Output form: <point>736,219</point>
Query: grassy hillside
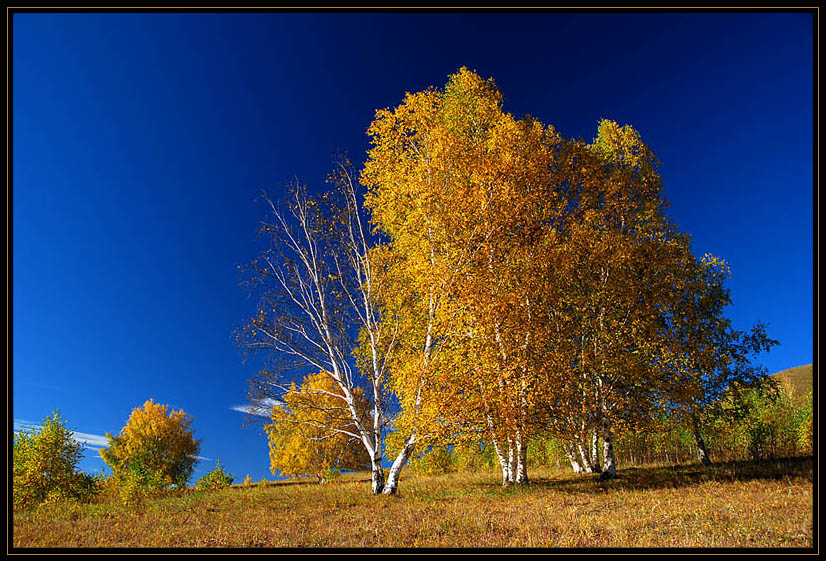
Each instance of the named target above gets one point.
<point>746,504</point>
<point>798,378</point>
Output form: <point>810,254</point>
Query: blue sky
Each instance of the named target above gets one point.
<point>140,142</point>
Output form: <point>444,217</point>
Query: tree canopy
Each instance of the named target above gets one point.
<point>523,284</point>
<point>156,440</point>
<point>45,464</point>
<point>312,434</point>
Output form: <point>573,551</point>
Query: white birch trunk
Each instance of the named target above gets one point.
<point>503,462</point>
<point>574,464</point>
<point>585,457</point>
<point>395,470</point>
<point>595,452</point>
<point>378,475</point>
<point>511,461</point>
<point>572,457</point>
<point>521,461</point>
<point>610,469</point>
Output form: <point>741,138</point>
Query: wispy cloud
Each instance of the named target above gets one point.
<point>93,441</point>
<point>258,407</point>
<point>20,425</point>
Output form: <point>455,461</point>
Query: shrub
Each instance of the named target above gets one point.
<point>436,459</point>
<point>471,456</point>
<point>44,466</point>
<point>804,429</point>
<point>218,478</point>
<point>137,483</point>
<point>330,473</point>
<point>546,451</point>
<point>304,435</point>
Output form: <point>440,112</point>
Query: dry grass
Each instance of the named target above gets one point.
<point>755,504</point>
<point>799,379</point>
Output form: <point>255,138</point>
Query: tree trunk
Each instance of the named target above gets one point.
<point>521,461</point>
<point>610,469</point>
<point>575,464</point>
<point>702,452</point>
<point>595,452</point>
<point>511,461</point>
<point>572,457</point>
<point>395,470</point>
<point>503,462</point>
<point>586,460</point>
<point>378,475</point>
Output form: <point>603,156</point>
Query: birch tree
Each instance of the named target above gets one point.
<point>318,297</point>
<point>460,188</point>
<point>618,260</point>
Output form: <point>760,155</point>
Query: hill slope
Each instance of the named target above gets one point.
<point>799,377</point>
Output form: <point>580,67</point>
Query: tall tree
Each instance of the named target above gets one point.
<point>319,301</point>
<point>461,188</point>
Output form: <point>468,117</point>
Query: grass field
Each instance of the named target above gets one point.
<point>746,504</point>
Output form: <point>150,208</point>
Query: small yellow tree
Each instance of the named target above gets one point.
<point>312,433</point>
<point>156,446</point>
<point>45,465</point>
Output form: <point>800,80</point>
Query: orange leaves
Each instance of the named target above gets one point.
<point>531,275</point>
<point>459,185</point>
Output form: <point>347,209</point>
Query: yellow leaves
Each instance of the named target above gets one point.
<point>554,254</point>
<point>156,438</point>
<point>304,435</point>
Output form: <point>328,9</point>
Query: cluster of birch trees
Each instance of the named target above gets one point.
<point>496,282</point>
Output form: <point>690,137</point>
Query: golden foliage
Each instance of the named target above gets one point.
<point>313,432</point>
<point>156,442</point>
<point>530,273</point>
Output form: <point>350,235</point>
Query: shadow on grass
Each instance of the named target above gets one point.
<point>304,481</point>
<point>677,476</point>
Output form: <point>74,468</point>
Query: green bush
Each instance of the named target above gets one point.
<point>136,483</point>
<point>218,478</point>
<point>44,466</point>
<point>768,428</point>
<point>436,459</point>
<point>804,429</point>
<point>545,451</point>
<point>764,425</point>
<point>472,456</point>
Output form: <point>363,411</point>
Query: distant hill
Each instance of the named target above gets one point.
<point>799,377</point>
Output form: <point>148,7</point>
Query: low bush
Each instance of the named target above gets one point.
<point>217,478</point>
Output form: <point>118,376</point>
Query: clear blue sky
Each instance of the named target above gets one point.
<point>142,140</point>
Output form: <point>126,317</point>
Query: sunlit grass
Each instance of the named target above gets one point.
<point>747,504</point>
